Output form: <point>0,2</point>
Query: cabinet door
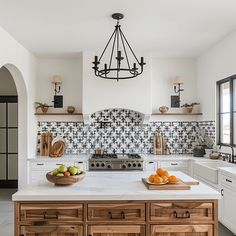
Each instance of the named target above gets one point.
<point>229,208</point>
<point>116,230</point>
<point>58,230</point>
<point>181,230</point>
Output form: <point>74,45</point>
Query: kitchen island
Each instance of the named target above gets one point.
<point>115,204</point>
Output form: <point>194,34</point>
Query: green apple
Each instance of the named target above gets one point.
<point>73,170</point>
<point>55,172</point>
<point>79,169</point>
<point>62,169</point>
<point>60,174</point>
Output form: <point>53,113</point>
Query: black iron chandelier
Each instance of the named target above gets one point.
<point>119,66</point>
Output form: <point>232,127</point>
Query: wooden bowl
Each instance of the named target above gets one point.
<point>65,180</point>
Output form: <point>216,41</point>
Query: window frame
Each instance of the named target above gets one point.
<point>231,112</point>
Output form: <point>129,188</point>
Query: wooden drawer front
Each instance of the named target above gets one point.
<point>171,212</point>
<point>116,230</point>
<point>181,230</point>
<point>60,230</point>
<point>58,212</point>
<point>116,212</point>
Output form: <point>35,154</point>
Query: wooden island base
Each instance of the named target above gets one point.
<point>117,218</point>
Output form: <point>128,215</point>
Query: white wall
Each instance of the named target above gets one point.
<point>99,94</point>
<point>7,84</point>
<point>70,69</point>
<point>164,70</point>
<point>215,64</point>
<point>22,65</point>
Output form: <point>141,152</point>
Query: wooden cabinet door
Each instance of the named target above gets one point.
<point>181,230</point>
<point>116,230</point>
<point>58,230</point>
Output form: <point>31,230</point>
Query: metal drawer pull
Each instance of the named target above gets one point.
<point>80,162</point>
<point>174,164</point>
<point>186,216</point>
<point>40,164</point>
<point>228,180</point>
<point>222,192</point>
<point>59,164</point>
<point>122,216</point>
<point>150,162</point>
<point>52,217</point>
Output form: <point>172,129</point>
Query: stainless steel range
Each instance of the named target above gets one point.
<point>116,162</point>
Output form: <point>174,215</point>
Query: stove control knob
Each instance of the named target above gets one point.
<point>129,164</point>
<point>134,165</point>
<point>92,165</point>
<point>97,164</point>
<point>109,166</point>
<point>124,166</point>
<point>103,165</point>
<point>139,165</point>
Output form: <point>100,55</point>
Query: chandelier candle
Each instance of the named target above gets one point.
<point>120,49</point>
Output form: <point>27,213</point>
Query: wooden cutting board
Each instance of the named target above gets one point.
<point>179,186</point>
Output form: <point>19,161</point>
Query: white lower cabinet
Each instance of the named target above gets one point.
<point>227,203</point>
<point>39,169</point>
<point>182,165</point>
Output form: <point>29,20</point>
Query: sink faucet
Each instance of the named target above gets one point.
<point>232,152</point>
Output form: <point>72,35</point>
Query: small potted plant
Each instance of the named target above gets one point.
<point>189,106</point>
<point>43,106</point>
<point>202,142</point>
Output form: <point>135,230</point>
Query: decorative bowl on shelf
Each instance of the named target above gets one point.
<point>163,109</point>
<point>65,180</point>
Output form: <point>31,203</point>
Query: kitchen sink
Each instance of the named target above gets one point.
<point>208,170</point>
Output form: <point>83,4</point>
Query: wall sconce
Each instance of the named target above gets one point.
<point>58,99</point>
<point>175,100</point>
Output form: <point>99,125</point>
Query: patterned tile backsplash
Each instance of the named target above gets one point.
<point>122,131</point>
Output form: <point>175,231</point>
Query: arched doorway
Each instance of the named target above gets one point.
<point>8,130</point>
<point>22,122</point>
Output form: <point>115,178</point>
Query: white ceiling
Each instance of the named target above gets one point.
<point>179,28</point>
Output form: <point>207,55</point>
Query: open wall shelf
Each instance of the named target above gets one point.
<point>175,114</point>
<point>58,114</point>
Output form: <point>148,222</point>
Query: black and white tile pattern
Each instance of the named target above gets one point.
<point>122,132</point>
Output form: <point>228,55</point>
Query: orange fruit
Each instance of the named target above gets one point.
<point>160,171</point>
<point>165,173</point>
<point>164,178</point>
<point>151,178</point>
<point>158,180</point>
<point>173,179</point>
<point>67,173</point>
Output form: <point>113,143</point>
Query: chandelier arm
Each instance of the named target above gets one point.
<point>129,47</point>
<point>127,59</point>
<point>113,46</point>
<point>107,45</point>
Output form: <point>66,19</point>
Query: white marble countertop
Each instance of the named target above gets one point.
<point>69,157</point>
<point>112,186</point>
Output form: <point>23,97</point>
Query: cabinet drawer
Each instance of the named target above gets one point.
<point>173,164</point>
<point>63,230</point>
<point>53,212</point>
<point>228,181</point>
<point>43,165</point>
<point>180,212</point>
<point>116,212</point>
<point>181,230</point>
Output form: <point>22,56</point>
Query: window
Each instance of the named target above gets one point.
<point>227,110</point>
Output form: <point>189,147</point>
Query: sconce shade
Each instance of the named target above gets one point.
<point>56,79</point>
<point>178,80</point>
